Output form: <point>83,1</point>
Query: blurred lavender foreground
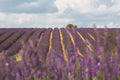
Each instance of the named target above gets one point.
<point>60,54</point>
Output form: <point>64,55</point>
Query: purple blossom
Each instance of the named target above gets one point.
<point>69,68</point>
<point>41,61</point>
<point>98,51</point>
<point>37,73</point>
<point>72,59</point>
<point>72,79</point>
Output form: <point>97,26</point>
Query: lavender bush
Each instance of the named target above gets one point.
<point>100,61</point>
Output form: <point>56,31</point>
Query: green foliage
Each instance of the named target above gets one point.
<point>119,77</point>
<point>95,78</point>
<point>87,78</point>
<point>71,26</point>
<point>101,77</point>
<point>48,77</point>
<point>36,78</point>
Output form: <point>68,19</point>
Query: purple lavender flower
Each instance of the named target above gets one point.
<point>98,50</point>
<point>72,79</point>
<point>72,59</point>
<point>69,68</point>
<point>13,74</point>
<point>37,73</point>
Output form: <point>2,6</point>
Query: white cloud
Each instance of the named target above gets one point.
<point>82,6</point>
<point>2,16</point>
<point>108,25</point>
<point>102,8</point>
<point>32,20</point>
<point>88,6</point>
<point>113,25</point>
<point>79,12</point>
<point>15,18</point>
<point>52,20</point>
<point>22,18</point>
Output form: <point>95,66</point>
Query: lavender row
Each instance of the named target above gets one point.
<point>43,44</point>
<point>79,42</point>
<point>36,36</point>
<point>56,45</point>
<point>30,64</point>
<point>6,44</point>
<point>5,36</point>
<point>15,48</point>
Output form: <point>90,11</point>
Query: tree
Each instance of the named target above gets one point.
<point>71,26</point>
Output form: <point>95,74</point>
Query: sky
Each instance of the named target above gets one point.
<point>59,13</point>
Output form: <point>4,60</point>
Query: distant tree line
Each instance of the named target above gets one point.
<point>71,26</point>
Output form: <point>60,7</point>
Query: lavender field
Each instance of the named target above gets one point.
<point>60,54</point>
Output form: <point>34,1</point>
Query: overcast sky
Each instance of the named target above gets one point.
<point>58,13</point>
